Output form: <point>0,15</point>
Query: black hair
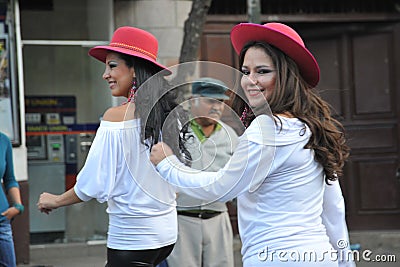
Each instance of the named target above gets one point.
<point>155,103</point>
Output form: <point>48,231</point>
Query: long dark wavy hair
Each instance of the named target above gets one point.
<point>157,107</point>
<point>294,96</point>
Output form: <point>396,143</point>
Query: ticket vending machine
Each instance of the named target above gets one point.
<point>88,220</point>
<point>46,170</point>
<point>48,120</point>
<point>57,150</point>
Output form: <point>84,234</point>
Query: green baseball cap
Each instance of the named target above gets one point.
<point>210,87</point>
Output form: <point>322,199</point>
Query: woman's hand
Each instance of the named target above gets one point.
<point>47,202</point>
<point>159,152</point>
<point>10,213</point>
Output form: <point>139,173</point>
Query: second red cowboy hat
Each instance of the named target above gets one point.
<point>131,41</point>
<point>282,37</point>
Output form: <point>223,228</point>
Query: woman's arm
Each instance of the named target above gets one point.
<point>9,181</point>
<point>15,198</point>
<point>333,217</point>
<point>246,170</point>
<point>48,202</point>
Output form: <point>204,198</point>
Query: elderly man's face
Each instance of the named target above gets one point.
<point>206,110</point>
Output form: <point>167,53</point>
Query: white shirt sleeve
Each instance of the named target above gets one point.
<point>238,175</point>
<point>97,177</point>
<point>333,217</point>
<point>245,171</point>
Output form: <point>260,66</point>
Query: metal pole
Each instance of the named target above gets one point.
<point>254,11</point>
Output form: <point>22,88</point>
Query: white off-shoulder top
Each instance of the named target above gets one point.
<point>141,205</point>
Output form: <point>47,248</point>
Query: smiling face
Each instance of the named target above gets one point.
<point>118,75</point>
<point>259,76</point>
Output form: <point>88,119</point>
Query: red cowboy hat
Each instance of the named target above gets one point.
<point>284,38</point>
<point>131,41</point>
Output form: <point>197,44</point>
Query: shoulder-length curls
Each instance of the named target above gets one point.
<point>292,95</point>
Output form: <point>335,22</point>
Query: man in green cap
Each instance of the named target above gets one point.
<point>204,229</point>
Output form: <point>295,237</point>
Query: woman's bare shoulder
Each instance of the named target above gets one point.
<point>119,113</point>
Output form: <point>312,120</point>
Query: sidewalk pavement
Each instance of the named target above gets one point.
<point>89,254</point>
<point>375,245</point>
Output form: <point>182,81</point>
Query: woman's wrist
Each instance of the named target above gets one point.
<point>166,160</point>
<point>61,200</point>
<point>19,207</point>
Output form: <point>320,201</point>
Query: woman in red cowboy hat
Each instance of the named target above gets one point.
<point>141,206</point>
<point>285,169</point>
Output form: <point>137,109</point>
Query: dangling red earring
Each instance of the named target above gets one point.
<point>243,118</point>
<point>132,92</point>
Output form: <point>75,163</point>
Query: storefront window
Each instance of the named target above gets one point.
<point>65,97</point>
<point>9,111</point>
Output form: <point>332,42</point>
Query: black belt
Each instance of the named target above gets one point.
<point>202,214</point>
